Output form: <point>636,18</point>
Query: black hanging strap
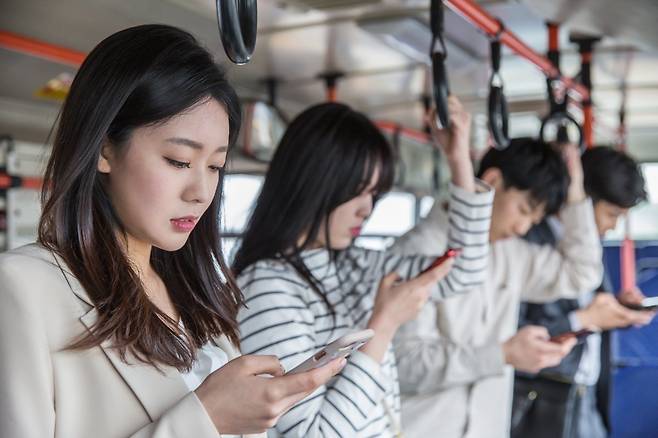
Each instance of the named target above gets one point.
<point>438,55</point>
<point>497,104</point>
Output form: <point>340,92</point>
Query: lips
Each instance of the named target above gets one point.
<point>356,231</point>
<point>184,224</point>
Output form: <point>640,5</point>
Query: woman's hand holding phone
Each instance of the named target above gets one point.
<point>239,400</point>
<point>398,302</point>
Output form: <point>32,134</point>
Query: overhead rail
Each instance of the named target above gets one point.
<point>14,182</point>
<point>484,21</point>
<point>40,49</point>
<point>393,128</point>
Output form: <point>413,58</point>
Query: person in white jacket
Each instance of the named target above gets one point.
<point>456,358</point>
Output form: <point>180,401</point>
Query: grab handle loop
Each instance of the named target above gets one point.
<point>559,115</point>
<point>497,104</point>
<point>438,55</point>
<point>237,20</point>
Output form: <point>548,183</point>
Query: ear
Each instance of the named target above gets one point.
<point>494,178</point>
<point>104,158</point>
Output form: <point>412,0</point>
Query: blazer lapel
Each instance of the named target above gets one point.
<point>155,389</point>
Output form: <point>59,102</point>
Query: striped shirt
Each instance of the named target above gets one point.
<point>285,317</point>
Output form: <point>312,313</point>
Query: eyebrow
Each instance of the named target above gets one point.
<point>193,144</point>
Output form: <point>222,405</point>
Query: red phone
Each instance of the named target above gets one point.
<point>450,253</point>
<point>579,335</point>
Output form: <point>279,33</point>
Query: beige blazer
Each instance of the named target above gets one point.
<point>46,391</point>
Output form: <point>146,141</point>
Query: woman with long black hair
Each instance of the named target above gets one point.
<point>120,321</point>
<point>306,284</point>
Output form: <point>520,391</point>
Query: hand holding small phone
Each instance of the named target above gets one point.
<point>606,312</point>
<point>578,335</point>
<point>250,393</point>
<point>339,348</point>
<point>398,302</point>
<point>450,253</point>
<point>530,349</point>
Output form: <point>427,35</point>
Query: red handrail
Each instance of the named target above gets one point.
<point>392,127</point>
<point>481,19</point>
<point>12,181</point>
<point>30,46</point>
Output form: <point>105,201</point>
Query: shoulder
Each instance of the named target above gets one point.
<point>27,260</point>
<point>31,274</point>
<point>356,257</point>
<point>268,276</point>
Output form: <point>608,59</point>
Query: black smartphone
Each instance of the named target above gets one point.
<point>580,335</point>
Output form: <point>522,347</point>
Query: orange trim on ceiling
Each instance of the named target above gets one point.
<point>40,49</point>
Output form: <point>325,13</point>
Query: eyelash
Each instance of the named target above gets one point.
<point>183,165</point>
<point>178,164</point>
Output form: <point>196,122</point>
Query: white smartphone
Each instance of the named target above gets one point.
<point>341,347</point>
<point>650,303</point>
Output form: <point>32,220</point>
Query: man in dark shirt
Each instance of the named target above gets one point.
<point>562,401</point>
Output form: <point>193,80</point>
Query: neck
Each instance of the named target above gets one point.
<point>139,255</point>
<point>311,245</point>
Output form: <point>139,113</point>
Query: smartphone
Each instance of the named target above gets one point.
<point>650,303</point>
<point>450,253</point>
<point>580,335</point>
<point>341,347</point>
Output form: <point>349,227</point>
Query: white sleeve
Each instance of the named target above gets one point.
<point>467,228</point>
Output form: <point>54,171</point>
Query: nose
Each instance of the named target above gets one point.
<point>198,188</point>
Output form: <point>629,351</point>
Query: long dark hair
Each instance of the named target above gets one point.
<point>326,157</point>
<point>138,77</point>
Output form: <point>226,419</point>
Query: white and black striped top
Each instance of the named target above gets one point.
<point>286,318</point>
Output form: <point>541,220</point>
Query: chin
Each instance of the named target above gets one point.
<point>341,244</point>
<point>171,244</point>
